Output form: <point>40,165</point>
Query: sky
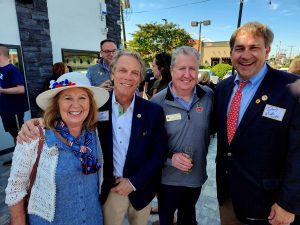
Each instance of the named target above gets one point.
<point>282,16</point>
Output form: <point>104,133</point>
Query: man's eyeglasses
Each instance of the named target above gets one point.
<point>109,51</point>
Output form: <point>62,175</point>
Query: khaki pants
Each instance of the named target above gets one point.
<point>227,214</point>
<point>115,208</point>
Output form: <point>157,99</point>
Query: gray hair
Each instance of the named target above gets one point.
<point>133,54</point>
<point>186,50</point>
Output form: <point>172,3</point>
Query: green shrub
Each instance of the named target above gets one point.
<point>221,69</point>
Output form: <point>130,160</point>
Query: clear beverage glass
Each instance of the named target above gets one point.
<point>190,153</point>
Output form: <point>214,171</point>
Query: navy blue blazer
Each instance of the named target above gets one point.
<point>262,164</point>
<point>146,151</point>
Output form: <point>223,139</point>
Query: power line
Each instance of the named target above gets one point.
<point>171,7</point>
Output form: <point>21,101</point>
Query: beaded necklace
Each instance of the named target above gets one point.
<point>81,149</point>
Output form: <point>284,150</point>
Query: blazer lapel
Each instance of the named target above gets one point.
<point>105,129</point>
<point>138,118</point>
<point>255,109</point>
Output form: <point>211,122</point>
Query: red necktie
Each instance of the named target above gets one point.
<point>233,114</point>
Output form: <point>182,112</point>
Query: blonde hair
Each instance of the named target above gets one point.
<point>205,77</point>
<point>51,114</point>
<point>256,28</point>
<point>295,66</point>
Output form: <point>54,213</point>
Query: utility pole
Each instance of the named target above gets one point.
<point>240,13</point>
<point>165,35</point>
<point>239,23</point>
<point>291,46</point>
<point>123,24</point>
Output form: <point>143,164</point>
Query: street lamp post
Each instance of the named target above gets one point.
<point>195,24</point>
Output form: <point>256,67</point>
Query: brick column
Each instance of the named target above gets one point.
<point>36,46</point>
<point>113,15</point>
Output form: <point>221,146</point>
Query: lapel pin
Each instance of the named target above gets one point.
<point>139,115</point>
<point>257,101</point>
<point>264,98</point>
<point>199,109</point>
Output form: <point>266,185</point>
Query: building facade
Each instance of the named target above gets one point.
<point>213,53</point>
<point>40,33</point>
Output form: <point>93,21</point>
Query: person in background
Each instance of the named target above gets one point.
<point>70,69</point>
<point>205,80</point>
<point>295,67</point>
<point>188,110</point>
<point>58,69</point>
<point>100,74</point>
<point>161,70</point>
<point>148,83</point>
<point>13,97</point>
<point>68,171</point>
<point>258,127</point>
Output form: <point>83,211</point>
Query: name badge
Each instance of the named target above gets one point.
<point>103,116</point>
<point>173,117</point>
<point>274,112</point>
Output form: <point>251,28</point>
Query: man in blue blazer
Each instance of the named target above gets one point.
<point>258,157</point>
<point>133,140</point>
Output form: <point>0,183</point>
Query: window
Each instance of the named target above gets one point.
<point>79,60</point>
<point>15,56</point>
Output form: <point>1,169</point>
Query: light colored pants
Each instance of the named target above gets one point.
<point>115,208</point>
<point>227,214</point>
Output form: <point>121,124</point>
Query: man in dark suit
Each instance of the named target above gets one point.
<point>258,157</point>
<point>133,140</point>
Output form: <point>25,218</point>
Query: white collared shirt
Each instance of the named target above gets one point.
<point>121,134</point>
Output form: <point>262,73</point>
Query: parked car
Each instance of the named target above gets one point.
<point>228,74</point>
<point>284,69</point>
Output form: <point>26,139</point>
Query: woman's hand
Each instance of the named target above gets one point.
<point>17,214</point>
<point>29,130</point>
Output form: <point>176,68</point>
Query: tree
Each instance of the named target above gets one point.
<point>154,38</point>
<point>221,69</point>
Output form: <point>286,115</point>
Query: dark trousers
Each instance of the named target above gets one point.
<point>12,122</point>
<point>183,199</point>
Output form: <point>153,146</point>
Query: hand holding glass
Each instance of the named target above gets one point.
<point>188,151</point>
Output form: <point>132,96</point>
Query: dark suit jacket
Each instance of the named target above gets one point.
<point>262,164</point>
<point>146,151</point>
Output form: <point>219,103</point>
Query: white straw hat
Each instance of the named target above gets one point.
<point>71,80</point>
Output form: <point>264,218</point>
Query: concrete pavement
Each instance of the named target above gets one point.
<point>207,208</point>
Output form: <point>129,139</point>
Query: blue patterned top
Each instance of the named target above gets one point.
<point>77,195</point>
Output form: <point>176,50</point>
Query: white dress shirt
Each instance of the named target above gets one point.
<point>121,124</point>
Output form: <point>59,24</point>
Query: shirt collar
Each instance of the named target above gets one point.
<point>104,64</point>
<point>173,93</point>
<point>114,101</point>
<point>256,78</point>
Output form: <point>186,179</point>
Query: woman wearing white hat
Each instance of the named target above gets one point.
<point>66,188</point>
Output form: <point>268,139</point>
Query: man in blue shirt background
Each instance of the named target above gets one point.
<point>100,74</point>
<point>13,98</point>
